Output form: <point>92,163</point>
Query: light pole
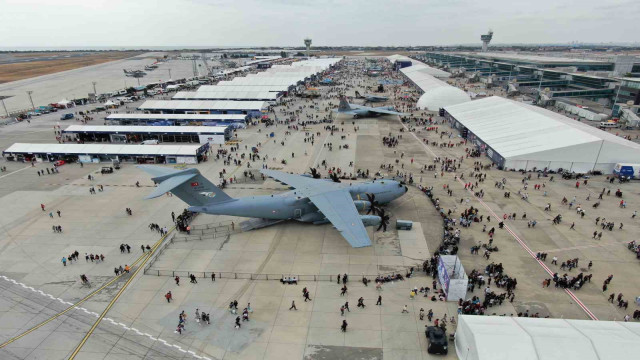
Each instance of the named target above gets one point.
<point>3,105</point>
<point>94,88</point>
<point>540,87</point>
<point>29,92</point>
<point>616,99</point>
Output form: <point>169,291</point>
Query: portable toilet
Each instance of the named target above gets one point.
<point>404,224</point>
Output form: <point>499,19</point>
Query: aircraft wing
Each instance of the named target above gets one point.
<point>333,200</point>
<point>384,111</point>
<point>337,206</point>
<point>306,186</point>
<point>379,110</point>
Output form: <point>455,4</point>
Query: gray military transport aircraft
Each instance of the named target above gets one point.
<point>371,98</point>
<point>359,111</point>
<point>314,200</point>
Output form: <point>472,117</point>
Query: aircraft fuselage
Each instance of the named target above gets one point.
<point>289,205</point>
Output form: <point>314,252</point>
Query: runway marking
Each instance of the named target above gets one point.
<point>108,319</point>
<point>72,306</point>
<point>581,247</point>
<point>13,172</point>
<point>147,255</point>
<point>515,236</point>
<point>94,185</point>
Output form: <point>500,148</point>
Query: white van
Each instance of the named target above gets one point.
<point>608,125</point>
<point>150,142</point>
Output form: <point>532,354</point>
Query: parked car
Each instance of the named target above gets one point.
<point>66,116</point>
<point>150,142</point>
<point>438,343</point>
<point>59,162</point>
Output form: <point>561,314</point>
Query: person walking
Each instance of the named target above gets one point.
<point>168,296</point>
<point>346,306</point>
<point>344,290</point>
<point>361,302</point>
<point>64,261</point>
<point>213,276</point>
<point>177,279</point>
<point>344,326</point>
<point>293,305</point>
<point>342,310</point>
<point>379,302</point>
<point>404,310</point>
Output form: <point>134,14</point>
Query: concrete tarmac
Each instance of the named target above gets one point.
<point>141,323</point>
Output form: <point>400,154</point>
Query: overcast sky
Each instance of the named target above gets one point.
<point>53,23</point>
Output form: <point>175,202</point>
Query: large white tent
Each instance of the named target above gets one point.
<point>520,136</point>
<point>437,93</point>
<point>507,338</point>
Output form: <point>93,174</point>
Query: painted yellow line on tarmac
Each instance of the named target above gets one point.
<point>79,302</point>
<point>124,287</point>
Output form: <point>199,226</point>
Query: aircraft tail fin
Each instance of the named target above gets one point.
<point>189,185</point>
<point>344,105</point>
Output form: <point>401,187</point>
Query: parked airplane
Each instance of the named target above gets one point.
<point>364,111</point>
<point>313,200</point>
<point>371,98</point>
<point>134,73</point>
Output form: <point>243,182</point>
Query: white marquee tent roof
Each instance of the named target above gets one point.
<point>426,69</point>
<point>184,105</point>
<point>518,131</point>
<point>104,149</point>
<point>227,86</point>
<point>196,117</point>
<point>226,95</point>
<point>507,338</point>
<point>437,93</point>
<point>127,129</point>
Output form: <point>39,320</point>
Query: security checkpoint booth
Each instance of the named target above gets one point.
<point>452,277</point>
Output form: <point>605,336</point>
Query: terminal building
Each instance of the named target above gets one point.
<point>96,153</point>
<point>517,136</point>
<point>176,119</point>
<point>137,134</point>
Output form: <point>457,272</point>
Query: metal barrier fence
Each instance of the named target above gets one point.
<point>403,270</point>
<point>167,241</point>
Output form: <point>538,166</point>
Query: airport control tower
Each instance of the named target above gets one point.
<point>307,43</point>
<point>486,39</point>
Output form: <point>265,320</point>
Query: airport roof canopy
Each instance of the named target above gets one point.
<point>518,131</point>
<point>532,58</point>
<point>117,129</point>
<point>104,149</point>
<point>186,117</point>
<point>506,338</point>
<point>204,105</point>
